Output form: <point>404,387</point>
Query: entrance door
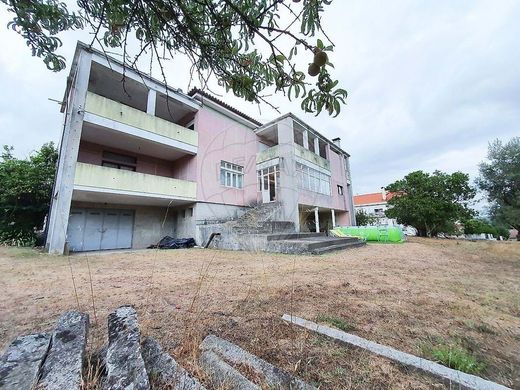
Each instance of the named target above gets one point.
<point>268,182</point>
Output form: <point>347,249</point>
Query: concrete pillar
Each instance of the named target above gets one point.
<point>152,98</point>
<point>317,146</point>
<point>317,219</point>
<point>333,213</point>
<point>288,187</point>
<point>64,185</point>
<point>306,139</point>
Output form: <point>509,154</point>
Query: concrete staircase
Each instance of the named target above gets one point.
<point>310,243</point>
<point>262,219</point>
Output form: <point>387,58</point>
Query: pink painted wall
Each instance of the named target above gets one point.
<point>221,138</point>
<point>92,153</point>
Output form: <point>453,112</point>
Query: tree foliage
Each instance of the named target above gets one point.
<point>431,203</point>
<point>250,46</point>
<point>25,193</point>
<point>500,179</point>
<point>364,219</point>
<point>479,226</point>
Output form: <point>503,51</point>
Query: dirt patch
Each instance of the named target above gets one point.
<point>404,296</point>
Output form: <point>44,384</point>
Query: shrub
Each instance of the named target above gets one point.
<point>337,322</point>
<point>455,357</point>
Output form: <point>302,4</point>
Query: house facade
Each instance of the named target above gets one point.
<point>139,161</point>
<point>375,204</point>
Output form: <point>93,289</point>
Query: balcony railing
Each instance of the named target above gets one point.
<point>299,151</point>
<point>267,154</point>
<point>98,178</point>
<point>130,116</point>
<point>305,154</point>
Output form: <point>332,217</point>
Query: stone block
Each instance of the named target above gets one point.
<point>63,366</point>
<point>124,364</point>
<point>20,364</point>
<point>270,375</point>
<point>163,370</point>
<point>222,375</point>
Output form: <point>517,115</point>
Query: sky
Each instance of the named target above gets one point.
<point>430,84</point>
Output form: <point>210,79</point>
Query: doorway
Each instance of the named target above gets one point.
<point>268,182</point>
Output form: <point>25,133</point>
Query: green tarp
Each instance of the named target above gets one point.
<point>371,233</point>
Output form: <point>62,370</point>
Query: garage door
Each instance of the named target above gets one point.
<point>95,229</point>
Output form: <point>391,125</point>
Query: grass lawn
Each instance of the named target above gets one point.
<point>456,302</point>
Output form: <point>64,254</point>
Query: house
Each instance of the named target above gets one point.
<point>375,204</point>
<point>139,160</point>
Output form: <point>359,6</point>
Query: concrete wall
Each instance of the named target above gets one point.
<point>150,223</point>
<point>119,112</point>
<point>209,215</point>
<point>110,180</point>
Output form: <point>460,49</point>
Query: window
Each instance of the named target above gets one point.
<point>119,161</point>
<point>340,190</point>
<point>231,175</point>
<point>313,180</point>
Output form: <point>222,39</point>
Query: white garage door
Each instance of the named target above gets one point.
<point>95,229</point>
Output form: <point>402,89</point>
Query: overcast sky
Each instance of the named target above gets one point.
<point>429,82</point>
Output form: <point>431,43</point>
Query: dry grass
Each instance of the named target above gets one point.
<point>405,296</point>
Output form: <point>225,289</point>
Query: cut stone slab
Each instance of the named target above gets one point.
<point>20,365</point>
<point>124,364</point>
<point>271,375</point>
<point>165,370</point>
<point>222,375</point>
<point>63,366</point>
<point>449,376</point>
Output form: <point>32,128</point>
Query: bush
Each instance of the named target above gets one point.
<point>478,226</point>
<point>364,219</point>
<point>456,357</point>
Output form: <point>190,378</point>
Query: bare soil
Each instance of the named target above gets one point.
<point>423,292</point>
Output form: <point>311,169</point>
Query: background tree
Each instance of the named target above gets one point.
<point>431,203</point>
<point>500,179</point>
<point>250,46</point>
<point>25,193</point>
<point>364,219</point>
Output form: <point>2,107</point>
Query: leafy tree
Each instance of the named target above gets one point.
<point>478,226</point>
<point>250,46</point>
<point>25,193</point>
<point>500,179</point>
<point>431,203</point>
<point>364,219</point>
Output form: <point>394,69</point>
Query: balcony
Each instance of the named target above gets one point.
<point>95,183</point>
<point>305,154</point>
<point>267,154</point>
<point>299,151</point>
<point>120,118</point>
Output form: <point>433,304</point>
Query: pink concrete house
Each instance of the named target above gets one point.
<point>139,161</point>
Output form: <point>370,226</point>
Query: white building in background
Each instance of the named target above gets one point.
<point>375,204</point>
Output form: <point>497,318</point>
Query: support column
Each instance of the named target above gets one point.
<point>69,148</point>
<point>306,139</point>
<point>317,146</point>
<point>288,191</point>
<point>317,219</point>
<point>152,98</point>
<point>333,213</point>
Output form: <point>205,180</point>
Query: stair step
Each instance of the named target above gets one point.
<point>337,247</point>
<point>293,236</point>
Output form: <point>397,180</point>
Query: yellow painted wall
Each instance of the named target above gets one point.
<point>119,112</point>
<point>96,176</point>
